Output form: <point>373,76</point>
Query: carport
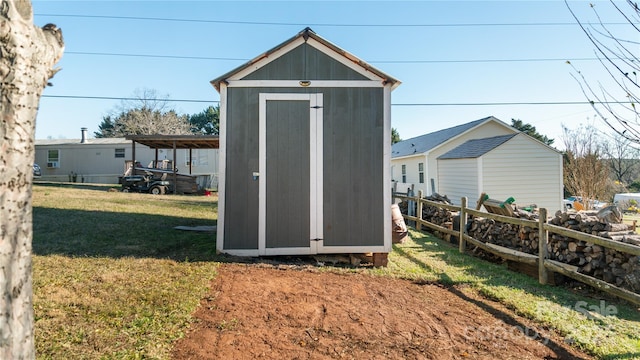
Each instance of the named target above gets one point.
<point>174,142</point>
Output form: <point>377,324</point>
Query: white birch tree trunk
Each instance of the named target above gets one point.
<point>27,57</point>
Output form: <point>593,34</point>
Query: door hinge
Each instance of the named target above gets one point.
<point>316,107</point>
<point>316,239</point>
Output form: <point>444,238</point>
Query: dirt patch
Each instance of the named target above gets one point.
<point>276,312</point>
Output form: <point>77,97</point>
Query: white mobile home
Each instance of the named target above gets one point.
<point>623,199</point>
<point>103,160</point>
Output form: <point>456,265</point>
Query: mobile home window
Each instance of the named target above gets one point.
<point>199,157</point>
<point>120,153</point>
<point>53,158</point>
<point>421,173</point>
<point>404,173</point>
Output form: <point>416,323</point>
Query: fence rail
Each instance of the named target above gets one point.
<point>545,265</point>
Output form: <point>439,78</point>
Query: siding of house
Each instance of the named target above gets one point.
<point>525,169</point>
<point>412,173</point>
<point>488,129</point>
<point>458,178</point>
<point>485,130</point>
<point>95,161</point>
<point>521,167</point>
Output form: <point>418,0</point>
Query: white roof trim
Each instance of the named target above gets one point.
<point>314,43</point>
<point>267,59</point>
<point>313,83</point>
<point>344,60</point>
<point>422,154</point>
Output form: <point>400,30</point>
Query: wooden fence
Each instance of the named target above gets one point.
<point>545,265</point>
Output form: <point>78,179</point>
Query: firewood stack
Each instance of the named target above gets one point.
<point>432,214</point>
<point>517,237</point>
<point>436,215</point>
<point>610,265</point>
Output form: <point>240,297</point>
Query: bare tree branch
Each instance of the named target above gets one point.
<point>619,57</point>
<point>585,173</point>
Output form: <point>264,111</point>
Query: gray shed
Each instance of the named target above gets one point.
<point>305,149</point>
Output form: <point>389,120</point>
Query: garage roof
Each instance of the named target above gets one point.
<point>177,141</point>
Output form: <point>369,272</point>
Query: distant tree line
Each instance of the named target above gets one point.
<point>148,116</point>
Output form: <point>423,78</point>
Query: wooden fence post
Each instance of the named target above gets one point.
<point>410,209</point>
<point>419,222</point>
<point>463,225</point>
<point>543,239</point>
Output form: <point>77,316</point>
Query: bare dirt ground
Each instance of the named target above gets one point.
<point>299,312</point>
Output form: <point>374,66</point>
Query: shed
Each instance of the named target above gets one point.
<point>305,133</point>
<point>513,165</point>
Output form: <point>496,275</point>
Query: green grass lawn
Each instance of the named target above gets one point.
<point>573,313</point>
<point>113,279</point>
<point>630,217</point>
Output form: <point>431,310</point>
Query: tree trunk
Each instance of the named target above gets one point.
<point>28,56</point>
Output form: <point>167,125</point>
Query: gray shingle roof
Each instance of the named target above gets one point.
<point>476,147</point>
<point>426,142</point>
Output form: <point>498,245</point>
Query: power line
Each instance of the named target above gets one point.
<point>511,103</point>
<point>126,98</point>
<point>313,24</point>
<point>371,61</point>
<point>396,104</point>
<point>153,56</point>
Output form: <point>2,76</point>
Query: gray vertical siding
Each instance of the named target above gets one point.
<point>305,63</point>
<point>241,191</point>
<point>352,167</point>
<point>287,195</point>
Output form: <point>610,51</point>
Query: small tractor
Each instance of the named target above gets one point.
<point>145,183</point>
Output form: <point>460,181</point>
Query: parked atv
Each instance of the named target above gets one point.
<point>140,183</point>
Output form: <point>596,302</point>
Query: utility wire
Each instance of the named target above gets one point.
<point>511,103</point>
<point>127,98</point>
<point>372,61</point>
<point>313,24</point>
<point>156,56</point>
<point>396,104</point>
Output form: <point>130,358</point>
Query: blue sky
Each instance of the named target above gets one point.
<point>438,49</point>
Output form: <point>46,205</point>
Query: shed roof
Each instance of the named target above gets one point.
<point>475,148</point>
<point>306,34</point>
<point>177,141</point>
<point>426,142</point>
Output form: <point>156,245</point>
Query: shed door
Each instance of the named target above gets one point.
<point>290,174</point>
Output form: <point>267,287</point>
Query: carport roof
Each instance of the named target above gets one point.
<point>177,141</point>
